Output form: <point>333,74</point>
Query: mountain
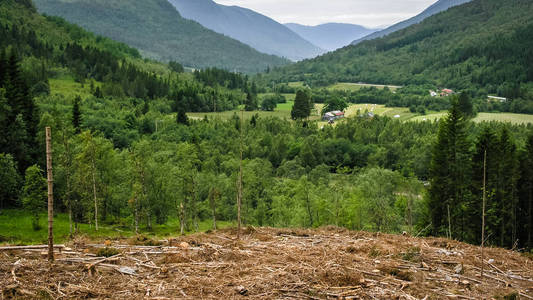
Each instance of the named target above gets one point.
<point>249,27</point>
<point>331,36</point>
<point>484,47</point>
<point>436,8</point>
<point>159,32</point>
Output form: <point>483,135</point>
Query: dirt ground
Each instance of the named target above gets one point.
<point>266,263</point>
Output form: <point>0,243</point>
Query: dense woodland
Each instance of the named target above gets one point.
<point>482,48</point>
<point>127,155</point>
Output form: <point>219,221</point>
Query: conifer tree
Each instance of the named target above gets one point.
<point>302,105</point>
<point>505,194</point>
<point>181,117</point>
<point>251,102</point>
<point>487,142</point>
<point>465,105</point>
<point>76,115</point>
<point>9,181</point>
<point>450,173</point>
<point>525,212</point>
<point>3,67</point>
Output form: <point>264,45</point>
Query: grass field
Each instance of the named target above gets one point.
<point>482,117</point>
<point>347,86</point>
<point>16,228</point>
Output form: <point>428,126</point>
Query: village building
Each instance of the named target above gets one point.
<point>333,115</point>
<point>446,92</point>
<point>497,99</point>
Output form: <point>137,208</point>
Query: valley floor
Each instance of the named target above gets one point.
<point>327,263</point>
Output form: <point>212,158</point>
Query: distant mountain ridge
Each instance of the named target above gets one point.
<point>436,8</point>
<point>157,29</point>
<point>249,27</point>
<point>331,36</point>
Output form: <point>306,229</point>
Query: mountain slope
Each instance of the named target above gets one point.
<point>436,8</point>
<point>249,27</point>
<point>158,30</point>
<point>331,36</point>
<point>485,46</point>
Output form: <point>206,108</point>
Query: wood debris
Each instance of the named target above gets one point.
<point>266,263</point>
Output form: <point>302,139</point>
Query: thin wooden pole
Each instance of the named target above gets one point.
<point>50,194</point>
<point>483,212</point>
<point>239,194</point>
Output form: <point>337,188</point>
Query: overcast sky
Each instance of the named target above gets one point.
<point>370,13</point>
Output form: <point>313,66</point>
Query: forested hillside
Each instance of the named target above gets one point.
<point>435,8</point>
<point>482,47</point>
<point>249,27</point>
<point>36,50</point>
<point>159,32</point>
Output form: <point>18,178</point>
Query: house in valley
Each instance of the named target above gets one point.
<point>333,115</point>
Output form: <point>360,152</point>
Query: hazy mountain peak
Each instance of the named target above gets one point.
<point>249,27</point>
<point>330,36</point>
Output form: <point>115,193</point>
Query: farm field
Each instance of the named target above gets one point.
<point>482,117</point>
<point>283,110</point>
<point>348,86</point>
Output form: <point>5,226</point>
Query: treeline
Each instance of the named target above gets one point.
<point>214,76</point>
<point>492,162</point>
<point>19,116</point>
<point>417,97</point>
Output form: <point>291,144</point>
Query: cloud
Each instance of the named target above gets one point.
<point>370,13</point>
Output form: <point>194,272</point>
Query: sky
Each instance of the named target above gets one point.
<point>369,13</point>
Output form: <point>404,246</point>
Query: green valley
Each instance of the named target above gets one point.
<point>169,171</point>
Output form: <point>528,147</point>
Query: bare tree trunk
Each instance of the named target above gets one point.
<point>136,203</point>
<point>410,213</point>
<point>449,223</point>
<point>94,195</point>
<point>308,204</point>
<point>239,193</point>
<point>193,205</point>
<point>530,214</point>
<point>50,194</point>
<point>337,209</point>
<point>212,201</point>
<point>182,219</point>
<point>483,213</point>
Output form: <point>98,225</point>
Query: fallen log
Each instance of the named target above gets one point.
<point>7,248</point>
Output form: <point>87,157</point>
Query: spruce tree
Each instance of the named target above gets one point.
<point>525,211</point>
<point>302,105</point>
<point>487,142</point>
<point>450,174</point>
<point>251,102</point>
<point>181,117</point>
<point>465,105</point>
<point>3,67</point>
<point>506,189</point>
<point>76,115</point>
